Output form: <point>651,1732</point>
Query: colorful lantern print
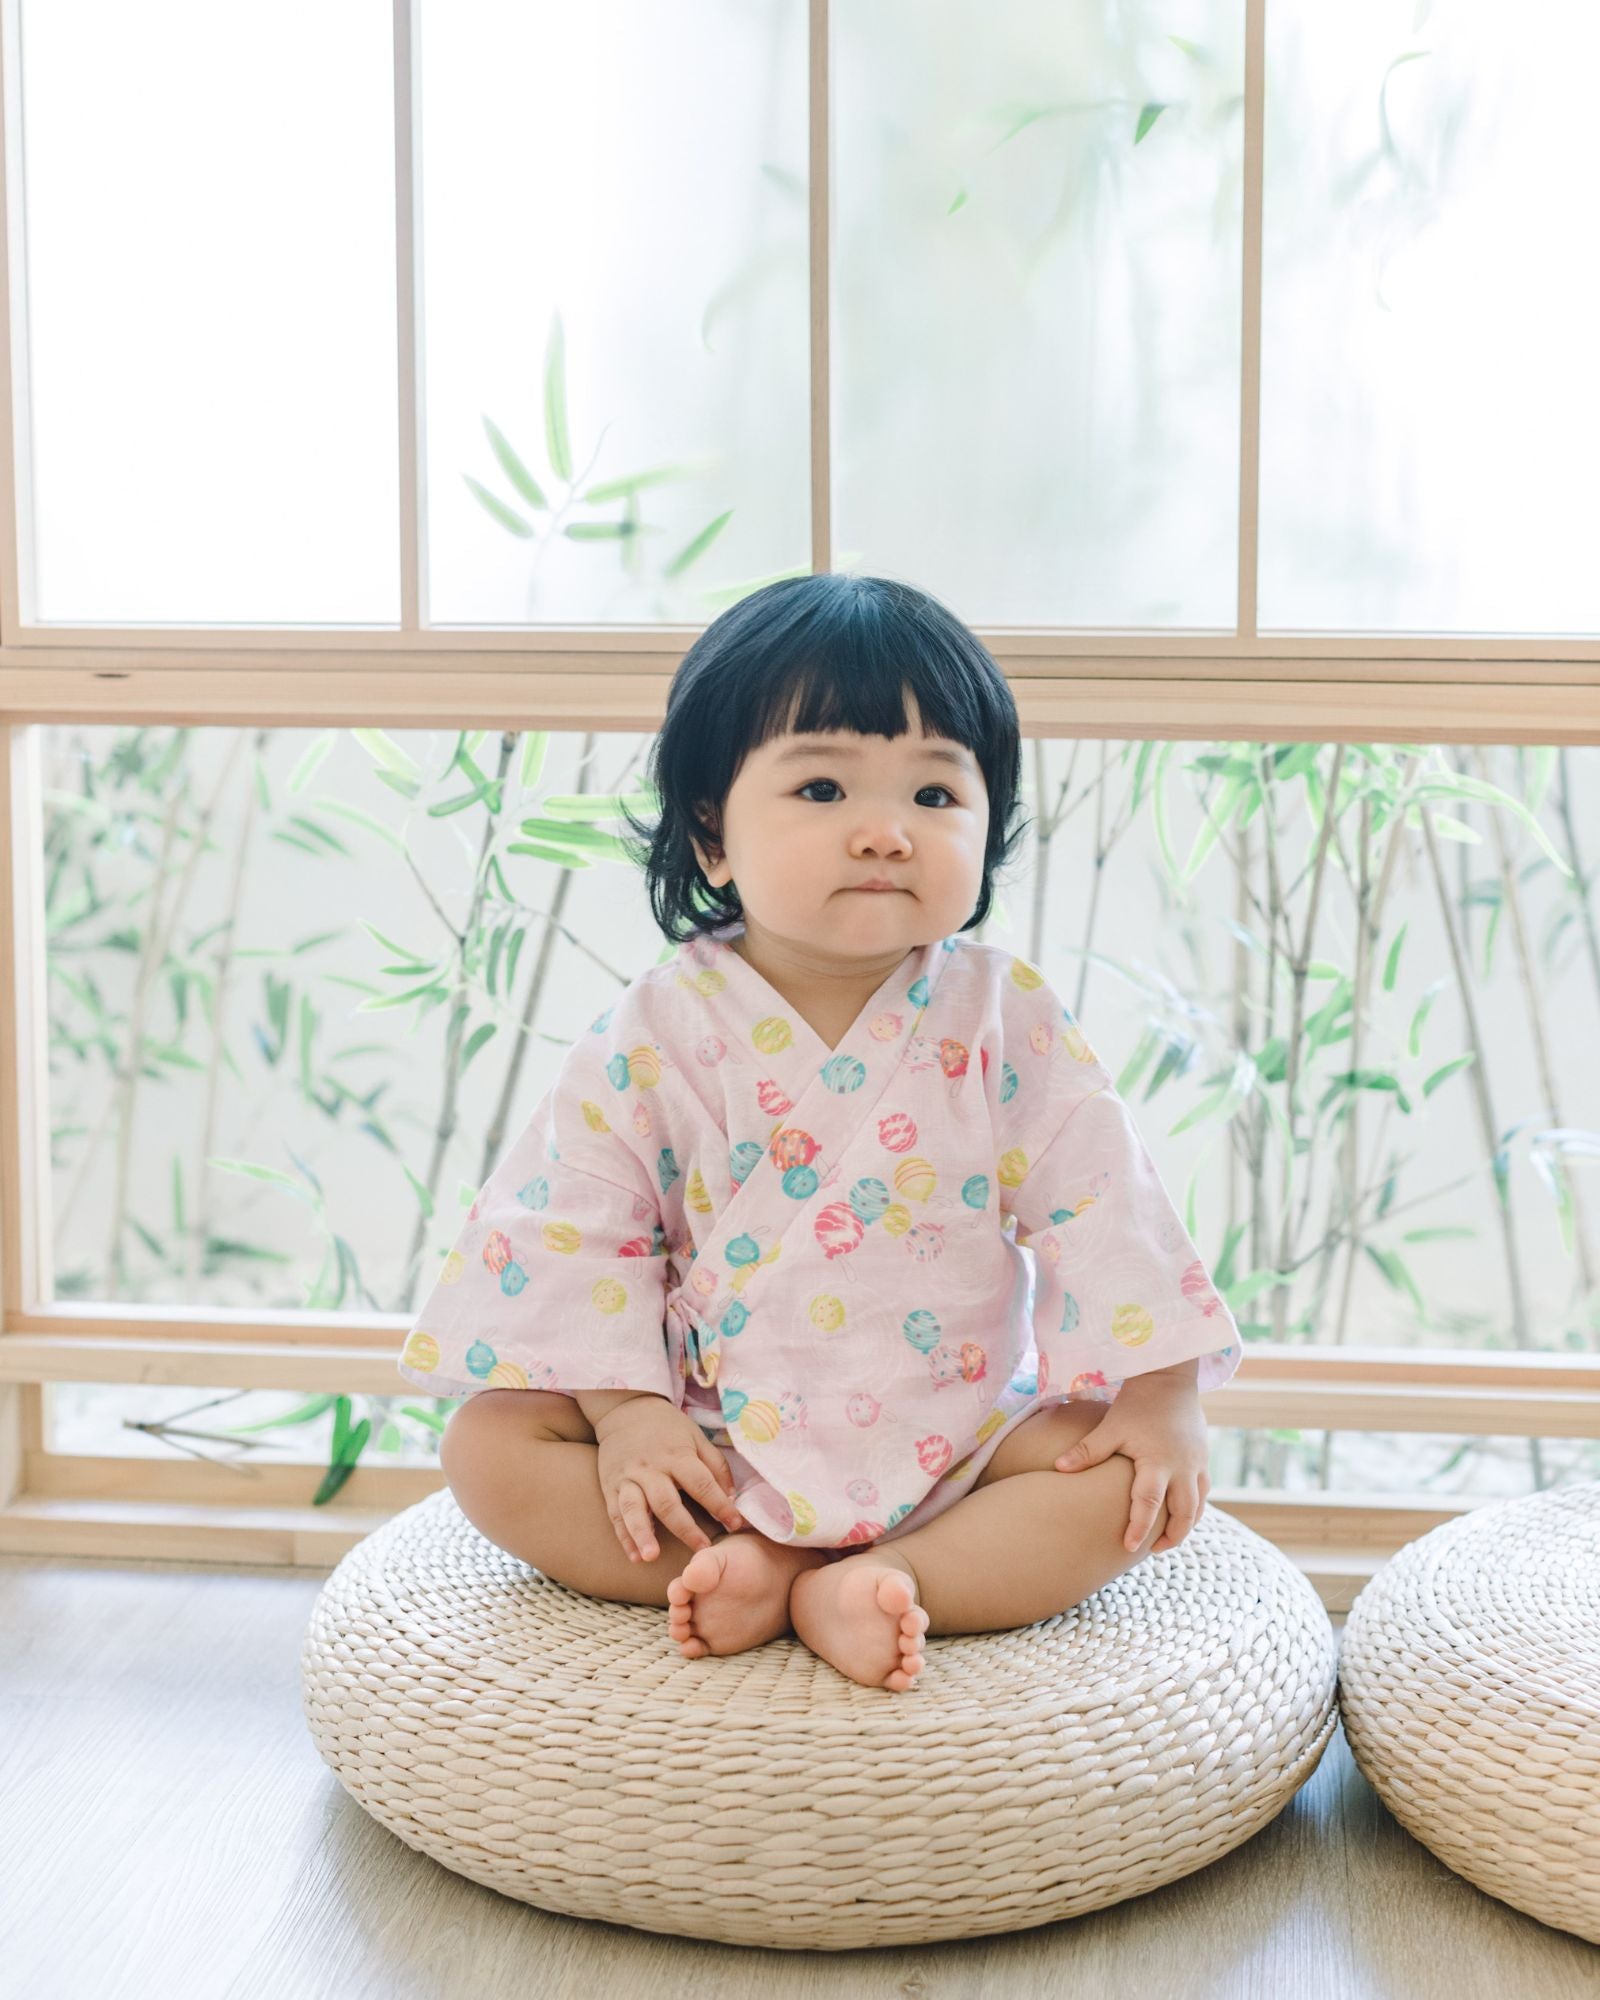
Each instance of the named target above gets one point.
<point>792,1411</point>
<point>944,1365</point>
<point>617,1070</point>
<point>1088,1384</point>
<point>564,1238</point>
<point>805,1515</point>
<point>512,1279</point>
<point>695,1194</point>
<point>896,1219</point>
<point>1008,1083</point>
<point>759,1422</point>
<point>862,1531</point>
<point>959,1471</point>
<point>915,1179</point>
<point>1024,1385</point>
<point>609,1295</point>
<point>838,1229</point>
<point>933,1453</point>
<point>790,1147</point>
<point>452,1267</point>
<point>869,1198</point>
<point>644,1066</point>
<point>536,1194</point>
<point>897,1133</point>
<point>772,1098</point>
<point>885,1027</point>
<point>917,993</point>
<point>953,1056</point>
<point>1077,1046</point>
<point>1044,1375</point>
<point>733,1402</point>
<point>800,1183</point>
<point>734,1320</point>
<point>990,1425</point>
<point>1070,1313</point>
<point>744,1249</point>
<point>593,1116</point>
<point>863,1410</point>
<point>1012,1169</point>
<point>1026,976</point>
<point>923,1330</point>
<point>842,1074</point>
<point>497,1250</point>
<point>925,1241</point>
<point>709,1051</point>
<point>862,1492</point>
<point>636,1246</point>
<point>641,1119</point>
<point>826,1312</point>
<point>481,1357</point>
<point>974,1361</point>
<point>421,1352</point>
<point>742,1160</point>
<point>975,1191</point>
<point>1132,1326</point>
<point>1195,1284</point>
<point>898,1515</point>
<point>709,982</point>
<point>772,1035</point>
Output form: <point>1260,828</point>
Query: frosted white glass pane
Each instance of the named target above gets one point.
<point>637,173</point>
<point>1430,402</point>
<point>1036,310</point>
<point>211,311</point>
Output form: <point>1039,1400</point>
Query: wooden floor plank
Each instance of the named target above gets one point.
<point>168,1829</point>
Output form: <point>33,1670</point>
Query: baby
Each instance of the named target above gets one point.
<point>742,1316</point>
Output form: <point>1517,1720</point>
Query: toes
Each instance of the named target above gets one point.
<point>703,1571</point>
<point>894,1591</point>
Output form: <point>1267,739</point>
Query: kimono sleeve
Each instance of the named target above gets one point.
<point>557,1278</point>
<point>1119,1288</point>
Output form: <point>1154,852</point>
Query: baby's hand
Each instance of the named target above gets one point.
<point>1160,1426</point>
<point>648,1450</point>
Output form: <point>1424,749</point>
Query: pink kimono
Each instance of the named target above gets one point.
<point>808,1249</point>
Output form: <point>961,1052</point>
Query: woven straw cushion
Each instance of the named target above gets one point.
<point>560,1749</point>
<point>1470,1685</point>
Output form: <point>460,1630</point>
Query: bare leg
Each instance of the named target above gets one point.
<point>963,1572</point>
<point>521,1465</point>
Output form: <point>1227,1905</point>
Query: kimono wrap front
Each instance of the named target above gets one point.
<point>818,1253</point>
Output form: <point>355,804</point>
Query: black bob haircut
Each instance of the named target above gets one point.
<point>821,652</point>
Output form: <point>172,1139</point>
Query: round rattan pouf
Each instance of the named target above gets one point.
<point>1469,1680</point>
<point>561,1750</point>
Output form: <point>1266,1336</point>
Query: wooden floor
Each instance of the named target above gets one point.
<point>167,1829</point>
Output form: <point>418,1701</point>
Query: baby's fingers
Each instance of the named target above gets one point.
<point>632,1523</point>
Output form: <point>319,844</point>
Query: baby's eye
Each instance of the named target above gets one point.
<point>829,781</point>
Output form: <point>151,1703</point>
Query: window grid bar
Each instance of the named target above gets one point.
<point>1255,27</point>
<point>820,188</point>
<point>408,317</point>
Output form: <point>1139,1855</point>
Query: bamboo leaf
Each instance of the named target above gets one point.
<point>498,511</point>
<point>692,551</point>
<point>514,469</point>
<point>555,400</point>
<point>1447,1070</point>
<point>1147,117</point>
<point>1391,964</point>
<point>310,761</point>
<point>534,746</point>
<point>383,749</point>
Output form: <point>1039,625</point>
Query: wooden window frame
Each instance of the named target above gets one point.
<point>1189,686</point>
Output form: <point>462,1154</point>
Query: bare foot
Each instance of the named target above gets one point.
<point>862,1616</point>
<point>731,1596</point>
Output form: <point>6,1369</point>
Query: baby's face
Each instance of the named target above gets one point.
<point>802,826</point>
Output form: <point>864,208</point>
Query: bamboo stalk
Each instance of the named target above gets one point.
<point>1480,1081</point>
<point>1532,993</point>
